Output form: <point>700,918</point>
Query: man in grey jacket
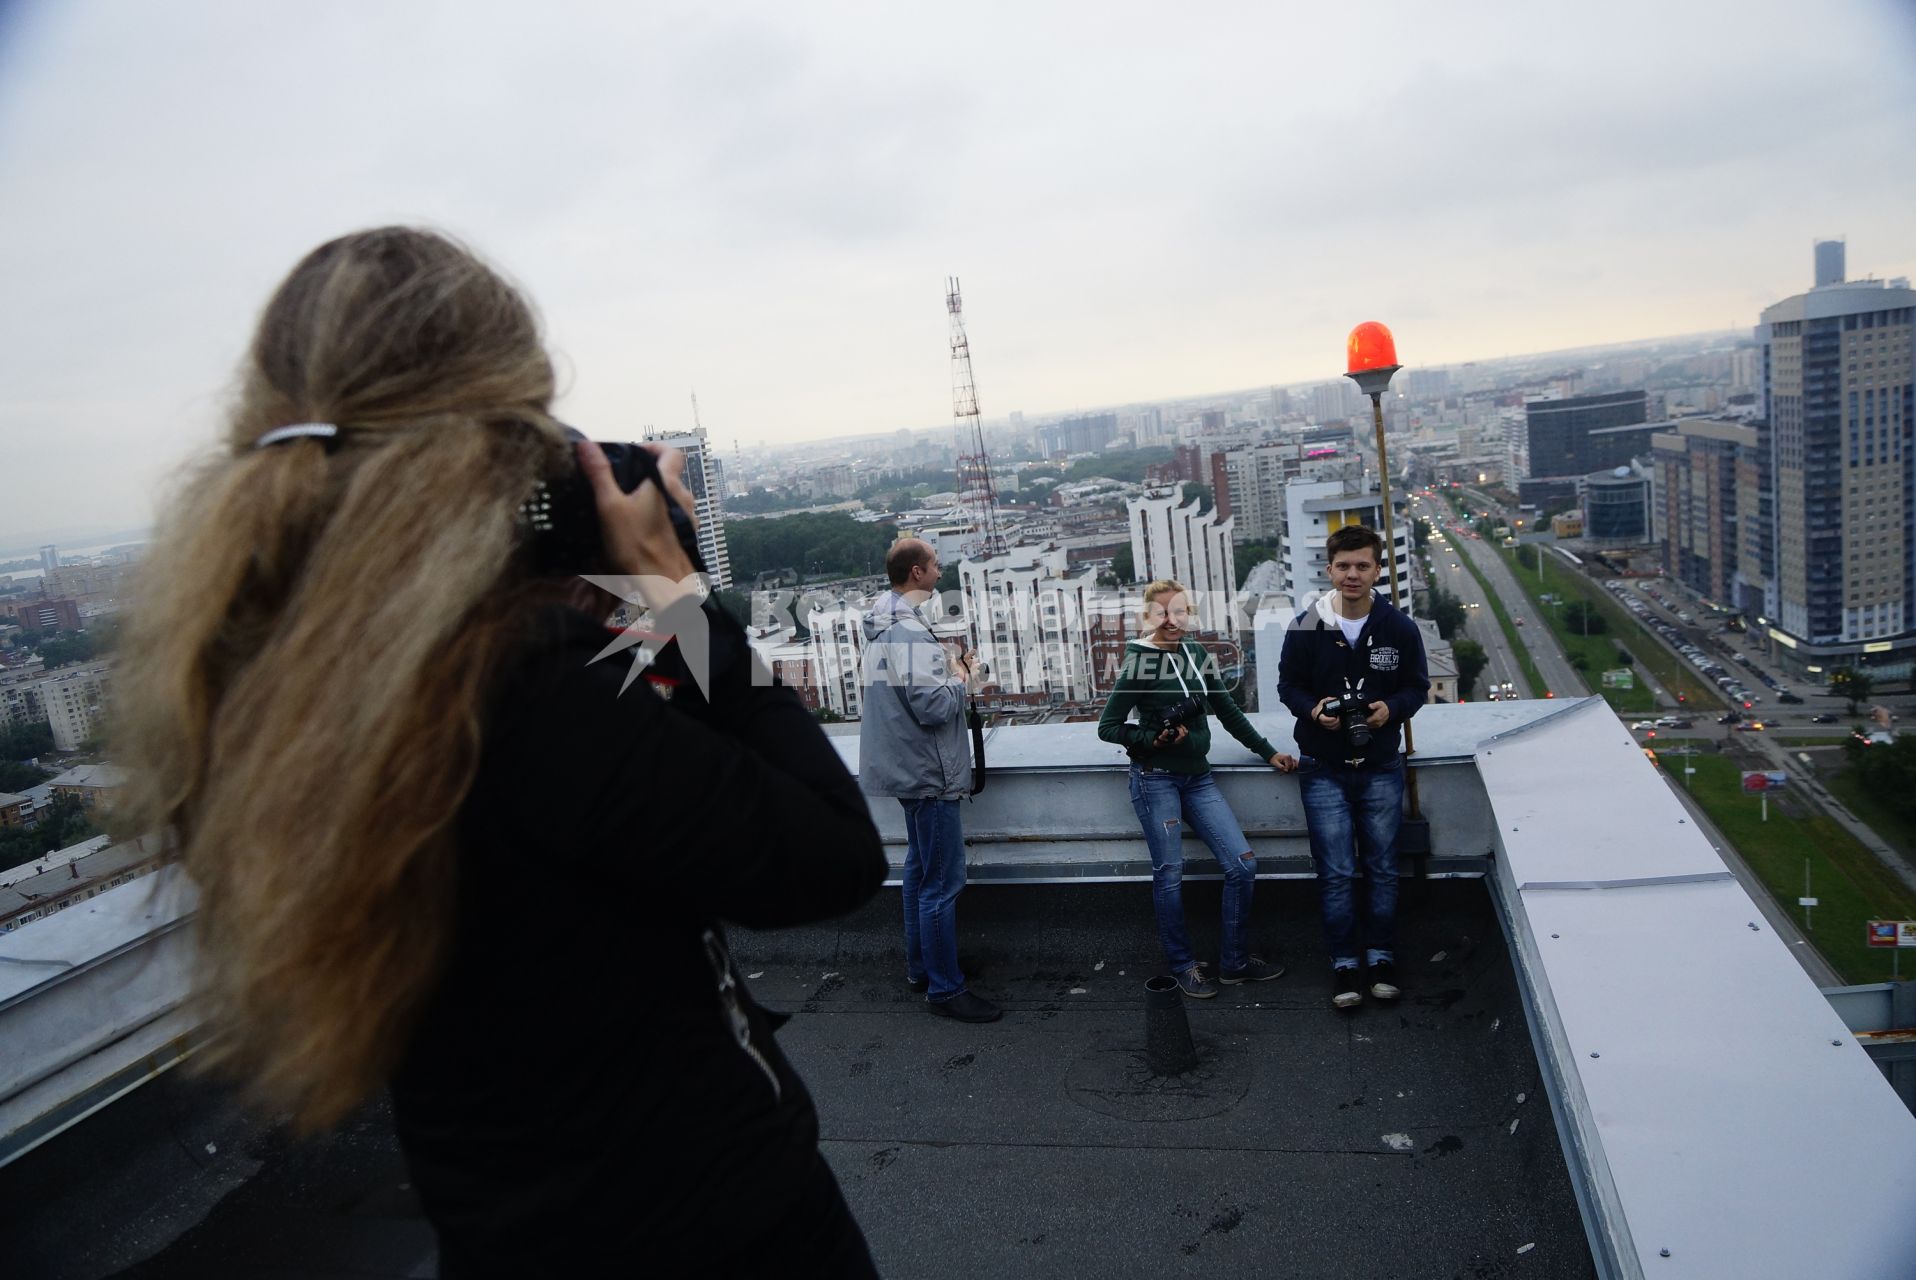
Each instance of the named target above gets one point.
<point>912,746</point>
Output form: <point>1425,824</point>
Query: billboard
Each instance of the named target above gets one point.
<point>1755,780</point>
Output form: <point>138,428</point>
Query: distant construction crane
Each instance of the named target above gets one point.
<point>977,498</point>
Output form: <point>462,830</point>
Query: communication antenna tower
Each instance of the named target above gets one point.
<point>976,496</point>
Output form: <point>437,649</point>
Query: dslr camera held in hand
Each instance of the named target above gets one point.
<point>1353,719</point>
<point>1178,715</point>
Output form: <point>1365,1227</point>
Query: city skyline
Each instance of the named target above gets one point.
<point>763,208</point>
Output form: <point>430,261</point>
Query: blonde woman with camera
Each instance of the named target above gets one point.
<point>1172,685</point>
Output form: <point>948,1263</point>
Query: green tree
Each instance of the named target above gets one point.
<point>1202,492</point>
<point>1420,532</point>
<point>1852,686</point>
<point>1122,567</point>
<point>1249,556</point>
<point>815,543</point>
<point>17,775</point>
<point>1446,610</point>
<point>1584,617</point>
<point>65,822</point>
<point>1471,661</point>
<point>26,741</point>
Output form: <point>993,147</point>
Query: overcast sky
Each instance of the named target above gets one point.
<point>761,203</point>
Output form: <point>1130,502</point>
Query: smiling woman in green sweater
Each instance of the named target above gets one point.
<point>1172,683</point>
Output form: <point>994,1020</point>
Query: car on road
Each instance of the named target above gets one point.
<point>1749,726</point>
<point>1787,696</point>
<point>1826,717</point>
<point>1519,621</point>
<point>1641,725</point>
<point>1730,717</point>
<point>1672,722</point>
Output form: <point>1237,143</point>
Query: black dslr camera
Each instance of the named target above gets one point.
<point>562,516</point>
<point>1353,719</point>
<point>1171,718</point>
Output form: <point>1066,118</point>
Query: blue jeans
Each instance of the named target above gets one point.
<point>1164,801</point>
<point>1361,807</point>
<point>934,877</point>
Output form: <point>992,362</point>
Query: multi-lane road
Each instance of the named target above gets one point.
<point>1451,540</point>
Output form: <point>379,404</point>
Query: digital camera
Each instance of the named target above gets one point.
<point>1178,714</point>
<point>1353,719</point>
<point>562,516</point>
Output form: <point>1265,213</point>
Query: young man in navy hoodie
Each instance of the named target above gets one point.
<point>1354,644</point>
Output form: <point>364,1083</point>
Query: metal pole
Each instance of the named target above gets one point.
<point>1806,884</point>
<point>1390,557</point>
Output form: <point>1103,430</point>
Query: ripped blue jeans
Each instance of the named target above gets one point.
<point>1164,802</point>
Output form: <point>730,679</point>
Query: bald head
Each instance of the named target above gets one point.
<point>908,554</point>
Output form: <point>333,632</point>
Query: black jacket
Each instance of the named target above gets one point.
<point>592,1089</point>
<point>1387,664</point>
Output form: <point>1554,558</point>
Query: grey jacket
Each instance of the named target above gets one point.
<point>911,741</point>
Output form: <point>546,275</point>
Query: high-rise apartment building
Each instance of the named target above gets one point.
<point>1697,470</point>
<point>1077,435</point>
<point>76,703</point>
<point>1249,483</point>
<point>1839,368</point>
<point>1314,510</point>
<point>1031,622</point>
<point>1169,539</point>
<point>704,477</point>
<point>49,558</point>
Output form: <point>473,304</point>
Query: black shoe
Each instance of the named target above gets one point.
<point>966,1007</point>
<point>1383,980</point>
<point>966,966</point>
<point>1256,969</point>
<point>1193,982</point>
<point>1347,988</point>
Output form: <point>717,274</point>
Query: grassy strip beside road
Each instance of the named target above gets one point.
<point>1852,886</point>
<point>1873,813</point>
<point>1671,672</point>
<point>1591,655</point>
<point>1530,673</point>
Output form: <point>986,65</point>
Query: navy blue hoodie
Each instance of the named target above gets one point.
<point>1386,664</point>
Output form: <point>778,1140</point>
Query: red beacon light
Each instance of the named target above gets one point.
<point>1372,357</point>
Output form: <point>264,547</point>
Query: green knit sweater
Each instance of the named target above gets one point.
<point>1153,679</point>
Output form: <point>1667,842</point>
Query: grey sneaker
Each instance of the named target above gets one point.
<point>1256,969</point>
<point>1383,980</point>
<point>1193,983</point>
<point>1347,988</point>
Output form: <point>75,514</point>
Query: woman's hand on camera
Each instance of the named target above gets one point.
<point>639,538</point>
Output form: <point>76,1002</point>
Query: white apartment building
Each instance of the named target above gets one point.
<point>837,644</point>
<point>1169,539</point>
<point>76,702</point>
<point>1030,621</point>
<point>1315,509</point>
<point>704,476</point>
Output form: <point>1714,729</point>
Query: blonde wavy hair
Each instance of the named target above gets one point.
<point>306,672</point>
